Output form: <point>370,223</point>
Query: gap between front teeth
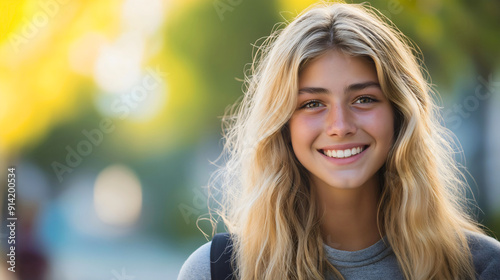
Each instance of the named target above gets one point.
<point>343,153</point>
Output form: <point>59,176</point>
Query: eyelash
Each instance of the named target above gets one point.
<point>308,103</point>
<point>372,100</point>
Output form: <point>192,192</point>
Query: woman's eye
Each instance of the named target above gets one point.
<point>312,104</point>
<point>364,99</point>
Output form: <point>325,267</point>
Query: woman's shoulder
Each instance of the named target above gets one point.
<point>486,255</point>
<point>197,266</point>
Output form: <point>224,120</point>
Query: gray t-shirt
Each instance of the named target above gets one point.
<point>375,262</point>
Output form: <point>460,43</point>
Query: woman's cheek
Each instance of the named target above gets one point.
<point>380,123</point>
<point>306,125</point>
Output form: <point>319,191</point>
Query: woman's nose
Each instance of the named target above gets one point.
<point>340,122</point>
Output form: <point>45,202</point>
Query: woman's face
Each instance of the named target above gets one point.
<point>342,128</point>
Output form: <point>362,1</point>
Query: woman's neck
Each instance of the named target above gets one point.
<point>349,217</point>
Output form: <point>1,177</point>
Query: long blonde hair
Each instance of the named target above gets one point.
<point>267,201</point>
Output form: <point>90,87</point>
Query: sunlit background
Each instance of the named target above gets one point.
<point>110,113</point>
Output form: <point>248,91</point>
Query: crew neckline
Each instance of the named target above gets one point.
<point>363,257</point>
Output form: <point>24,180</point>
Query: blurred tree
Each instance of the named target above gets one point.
<point>207,46</point>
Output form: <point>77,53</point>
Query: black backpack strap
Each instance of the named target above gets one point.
<point>220,257</point>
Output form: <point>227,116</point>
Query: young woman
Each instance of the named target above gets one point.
<point>338,166</point>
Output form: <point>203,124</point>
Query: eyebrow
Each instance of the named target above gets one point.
<point>350,88</point>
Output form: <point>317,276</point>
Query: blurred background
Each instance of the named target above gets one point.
<point>110,115</point>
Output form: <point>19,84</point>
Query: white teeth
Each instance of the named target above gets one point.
<point>343,153</point>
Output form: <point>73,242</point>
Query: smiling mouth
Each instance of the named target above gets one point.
<point>344,153</point>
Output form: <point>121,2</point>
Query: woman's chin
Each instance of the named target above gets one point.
<point>345,182</point>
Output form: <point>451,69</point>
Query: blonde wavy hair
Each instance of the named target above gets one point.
<point>267,203</point>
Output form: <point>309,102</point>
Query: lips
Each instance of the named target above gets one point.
<point>343,151</point>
